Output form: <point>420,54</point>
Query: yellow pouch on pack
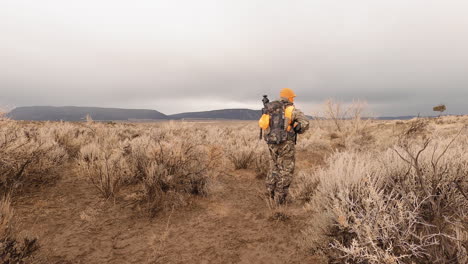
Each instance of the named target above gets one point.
<point>264,121</point>
<point>288,115</point>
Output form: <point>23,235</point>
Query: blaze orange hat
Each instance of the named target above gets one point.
<point>287,93</point>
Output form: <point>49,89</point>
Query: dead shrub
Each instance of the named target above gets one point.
<point>403,205</point>
<point>6,215</point>
<point>315,140</point>
<point>346,124</point>
<point>106,168</point>
<point>241,151</point>
<point>334,136</point>
<point>347,119</point>
<point>11,249</point>
<point>305,186</point>
<point>170,168</point>
<point>70,137</point>
<point>361,141</point>
<point>168,161</point>
<point>28,155</point>
<point>3,115</point>
<point>262,163</point>
<point>14,251</point>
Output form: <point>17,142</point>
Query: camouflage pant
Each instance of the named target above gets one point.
<point>282,162</point>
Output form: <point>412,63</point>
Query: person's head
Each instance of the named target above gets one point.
<point>287,94</point>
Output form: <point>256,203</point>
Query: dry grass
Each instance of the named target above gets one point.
<point>389,192</point>
<point>405,204</point>
<point>305,187</point>
<point>167,162</point>
<point>28,154</point>
<point>262,162</point>
<point>6,215</point>
<point>12,249</point>
<point>241,150</point>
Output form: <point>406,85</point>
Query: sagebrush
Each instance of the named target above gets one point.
<point>406,204</point>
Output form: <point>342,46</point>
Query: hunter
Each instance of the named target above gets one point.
<point>281,122</point>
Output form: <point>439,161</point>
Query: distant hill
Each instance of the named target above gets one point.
<point>231,114</point>
<point>74,113</point>
<point>395,117</point>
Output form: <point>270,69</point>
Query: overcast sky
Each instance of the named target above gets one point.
<point>402,56</point>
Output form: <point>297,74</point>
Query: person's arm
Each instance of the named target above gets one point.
<point>301,119</point>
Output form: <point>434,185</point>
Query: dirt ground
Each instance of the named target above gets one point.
<point>233,224</point>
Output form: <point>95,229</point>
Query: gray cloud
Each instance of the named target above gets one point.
<point>403,57</point>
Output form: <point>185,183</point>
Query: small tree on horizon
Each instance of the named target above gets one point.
<point>439,108</point>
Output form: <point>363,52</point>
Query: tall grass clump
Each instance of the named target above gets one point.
<point>241,150</point>
<point>346,124</point>
<point>6,215</point>
<point>12,250</point>
<point>71,137</point>
<point>167,162</point>
<point>28,155</point>
<point>305,187</point>
<point>339,114</point>
<point>102,160</point>
<point>105,168</point>
<point>3,115</point>
<point>407,204</point>
<point>172,168</point>
<point>261,162</point>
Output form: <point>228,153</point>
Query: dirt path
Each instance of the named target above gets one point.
<point>233,224</point>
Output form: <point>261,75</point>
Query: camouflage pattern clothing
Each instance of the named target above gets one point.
<point>282,160</point>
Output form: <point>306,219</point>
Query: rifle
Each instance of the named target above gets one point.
<point>265,101</point>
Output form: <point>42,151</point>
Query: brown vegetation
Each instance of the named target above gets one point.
<point>28,155</point>
<point>365,192</point>
<point>404,204</point>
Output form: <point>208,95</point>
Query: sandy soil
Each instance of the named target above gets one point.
<point>234,224</point>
